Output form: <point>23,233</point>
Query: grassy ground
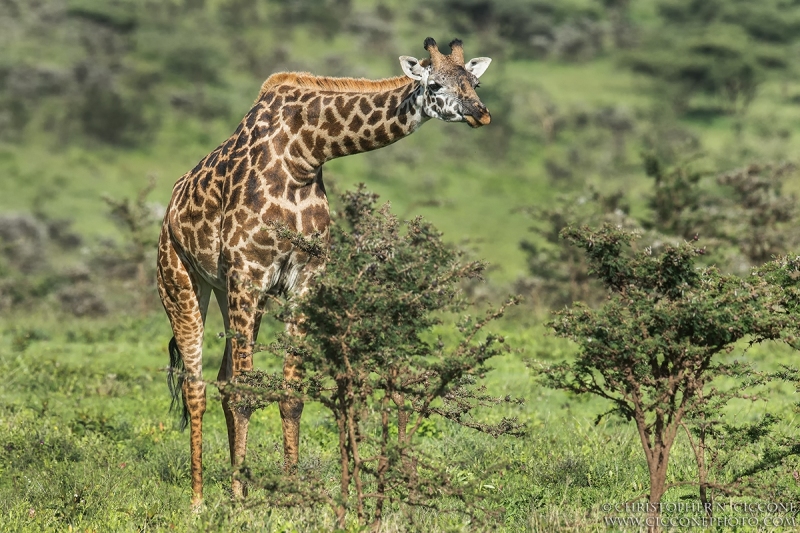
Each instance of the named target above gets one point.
<point>87,443</point>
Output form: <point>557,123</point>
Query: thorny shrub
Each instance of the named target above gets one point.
<point>654,349</point>
<point>380,353</point>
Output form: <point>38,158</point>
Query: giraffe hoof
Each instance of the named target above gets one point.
<point>197,505</point>
<point>238,490</point>
<point>290,467</point>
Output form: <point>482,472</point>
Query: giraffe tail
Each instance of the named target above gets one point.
<point>175,383</point>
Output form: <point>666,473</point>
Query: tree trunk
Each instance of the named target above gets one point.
<point>657,442</point>
<point>658,480</point>
<point>344,455</point>
<point>702,473</point>
<point>383,461</point>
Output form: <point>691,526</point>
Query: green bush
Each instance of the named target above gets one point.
<point>382,358</point>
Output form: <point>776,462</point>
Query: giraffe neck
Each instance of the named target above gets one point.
<point>373,121</point>
<point>327,124</point>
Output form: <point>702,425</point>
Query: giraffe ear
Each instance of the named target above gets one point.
<point>477,66</point>
<point>412,67</point>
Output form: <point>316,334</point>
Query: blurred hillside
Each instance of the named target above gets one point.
<point>100,98</point>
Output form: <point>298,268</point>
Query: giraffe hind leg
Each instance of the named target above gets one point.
<point>185,298</point>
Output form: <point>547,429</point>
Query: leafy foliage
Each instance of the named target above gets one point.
<point>763,218</point>
<point>568,30</point>
<point>744,217</point>
<point>717,48</point>
<point>558,273</point>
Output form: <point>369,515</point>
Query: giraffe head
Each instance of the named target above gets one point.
<point>449,84</point>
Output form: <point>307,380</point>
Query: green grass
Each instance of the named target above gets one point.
<point>86,440</point>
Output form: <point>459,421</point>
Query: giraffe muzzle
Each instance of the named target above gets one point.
<point>478,118</point>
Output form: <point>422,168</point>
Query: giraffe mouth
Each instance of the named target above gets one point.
<point>482,119</point>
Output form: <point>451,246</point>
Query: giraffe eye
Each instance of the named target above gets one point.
<point>434,87</point>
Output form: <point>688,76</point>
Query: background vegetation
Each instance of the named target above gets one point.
<point>674,118</point>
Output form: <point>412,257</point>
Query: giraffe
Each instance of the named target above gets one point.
<point>216,235</point>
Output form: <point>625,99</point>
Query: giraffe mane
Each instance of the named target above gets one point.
<point>326,83</point>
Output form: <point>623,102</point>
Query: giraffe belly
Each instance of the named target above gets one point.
<point>281,275</point>
<point>284,273</point>
<point>277,270</point>
<point>290,274</point>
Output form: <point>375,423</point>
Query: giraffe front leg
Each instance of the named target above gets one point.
<point>244,316</point>
<point>237,419</point>
<point>291,409</point>
<point>238,422</point>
